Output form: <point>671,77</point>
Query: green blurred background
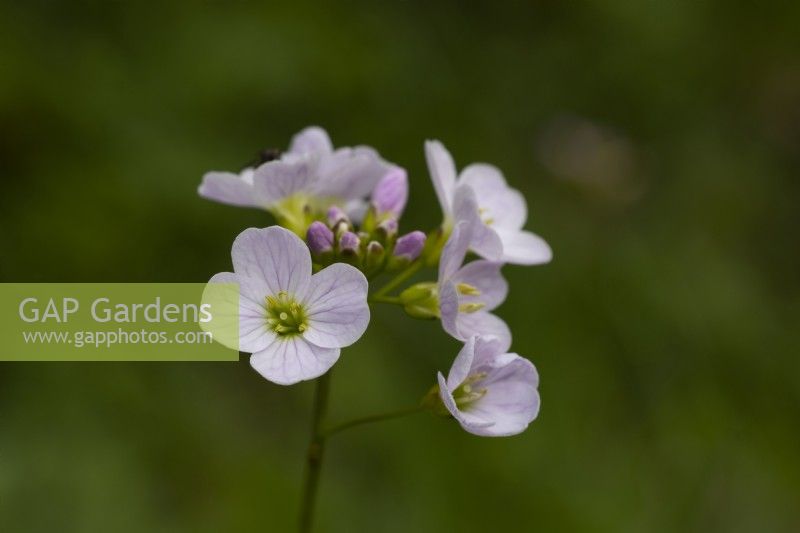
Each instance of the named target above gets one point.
<point>657,144</point>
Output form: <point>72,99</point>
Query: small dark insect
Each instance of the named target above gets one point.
<point>264,156</point>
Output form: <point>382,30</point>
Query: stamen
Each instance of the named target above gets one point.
<point>471,307</point>
<point>467,290</point>
<point>285,316</point>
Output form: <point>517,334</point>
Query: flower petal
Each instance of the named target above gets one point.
<point>288,360</point>
<point>455,250</point>
<point>391,193</point>
<point>462,364</point>
<point>482,323</point>
<point>448,308</point>
<point>512,399</point>
<point>443,174</point>
<point>350,173</point>
<point>469,422</point>
<point>271,260</point>
<point>485,276</point>
<point>484,240</point>
<point>336,302</point>
<point>228,188</point>
<point>312,139</point>
<point>253,333</point>
<point>503,206</point>
<point>489,349</point>
<point>524,248</point>
<point>282,178</point>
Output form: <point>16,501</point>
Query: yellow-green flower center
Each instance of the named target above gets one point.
<point>285,316</point>
<point>470,391</point>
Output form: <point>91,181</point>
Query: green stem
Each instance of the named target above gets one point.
<point>373,418</point>
<point>315,452</point>
<point>395,282</point>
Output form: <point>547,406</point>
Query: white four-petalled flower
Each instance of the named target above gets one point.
<point>311,172</point>
<point>292,322</point>
<point>488,391</point>
<point>501,209</point>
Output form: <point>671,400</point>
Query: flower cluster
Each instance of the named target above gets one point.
<point>304,284</point>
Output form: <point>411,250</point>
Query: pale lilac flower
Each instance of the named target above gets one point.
<point>391,194</point>
<point>501,209</point>
<point>468,292</point>
<point>294,323</point>
<point>410,245</point>
<point>311,174</point>
<point>489,392</point>
<point>319,238</point>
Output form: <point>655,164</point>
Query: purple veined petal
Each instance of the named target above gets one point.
<point>229,188</point>
<point>455,250</point>
<point>336,303</point>
<point>460,369</point>
<point>501,207</point>
<point>448,308</point>
<point>524,248</point>
<point>485,276</point>
<point>482,323</point>
<point>391,193</point>
<point>282,178</point>
<point>512,400</point>
<point>443,174</point>
<point>289,360</point>
<point>469,422</point>
<point>252,318</point>
<point>275,255</point>
<point>311,140</point>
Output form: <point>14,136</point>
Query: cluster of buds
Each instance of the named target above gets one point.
<point>373,246</point>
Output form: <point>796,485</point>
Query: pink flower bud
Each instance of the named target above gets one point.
<point>410,245</point>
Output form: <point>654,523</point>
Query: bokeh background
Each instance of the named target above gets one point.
<point>657,144</point>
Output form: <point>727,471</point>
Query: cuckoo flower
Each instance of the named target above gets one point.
<point>294,323</point>
<point>468,292</point>
<point>501,209</point>
<point>304,181</point>
<point>489,392</point>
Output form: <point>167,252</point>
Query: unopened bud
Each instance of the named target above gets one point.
<point>375,255</point>
<point>391,193</point>
<point>319,238</point>
<point>337,216</point>
<point>349,243</point>
<point>421,300</point>
<point>409,246</point>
